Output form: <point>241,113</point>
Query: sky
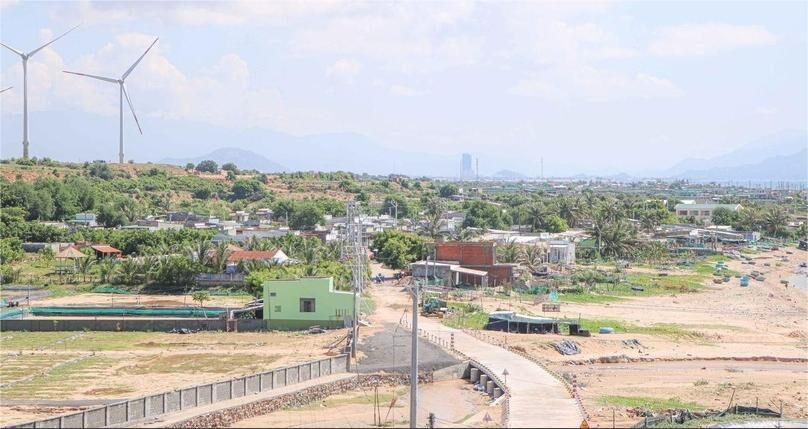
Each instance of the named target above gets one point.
<point>588,86</point>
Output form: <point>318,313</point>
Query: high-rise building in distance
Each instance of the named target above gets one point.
<point>466,171</point>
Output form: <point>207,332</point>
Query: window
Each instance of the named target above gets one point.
<point>682,212</point>
<point>272,294</point>
<point>277,308</point>
<point>307,305</point>
<point>705,213</point>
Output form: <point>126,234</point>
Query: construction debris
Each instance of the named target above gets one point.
<point>567,347</point>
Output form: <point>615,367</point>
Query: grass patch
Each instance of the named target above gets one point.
<point>355,399</point>
<point>658,329</point>
<point>588,298</point>
<point>368,305</point>
<point>648,403</point>
<point>62,380</point>
<point>464,315</point>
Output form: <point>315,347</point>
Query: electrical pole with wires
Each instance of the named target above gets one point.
<point>353,253</point>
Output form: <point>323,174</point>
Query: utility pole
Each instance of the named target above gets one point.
<point>414,358</point>
<point>354,255</point>
<point>394,205</point>
<point>431,421</point>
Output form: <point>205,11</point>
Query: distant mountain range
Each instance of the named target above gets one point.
<point>779,157</point>
<point>78,136</point>
<point>244,159</point>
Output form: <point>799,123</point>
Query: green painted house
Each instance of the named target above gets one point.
<point>304,302</point>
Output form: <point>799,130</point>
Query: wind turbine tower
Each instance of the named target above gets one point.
<point>121,94</point>
<point>25,57</point>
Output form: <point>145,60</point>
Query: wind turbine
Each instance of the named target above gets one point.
<point>25,57</point>
<point>122,93</point>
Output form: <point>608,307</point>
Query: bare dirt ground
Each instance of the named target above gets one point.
<point>454,403</point>
<point>766,319</point>
<point>107,299</point>
<point>698,384</point>
<point>38,366</point>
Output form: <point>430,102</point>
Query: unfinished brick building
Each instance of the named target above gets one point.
<point>480,256</point>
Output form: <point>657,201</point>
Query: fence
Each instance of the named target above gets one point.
<point>133,324</point>
<point>134,410</point>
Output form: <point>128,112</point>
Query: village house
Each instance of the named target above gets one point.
<point>703,212</point>
<point>305,302</point>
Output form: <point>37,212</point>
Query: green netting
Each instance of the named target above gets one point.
<point>10,313</point>
<point>110,289</point>
<point>128,311</point>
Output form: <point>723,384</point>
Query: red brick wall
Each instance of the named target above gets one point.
<point>499,274</point>
<point>466,253</point>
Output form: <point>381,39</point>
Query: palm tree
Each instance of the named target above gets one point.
<point>570,210</point>
<point>149,266</point>
<point>611,209</point>
<point>83,266</point>
<point>433,217</point>
<point>535,213</point>
<point>106,269</point>
<point>508,253</point>
<point>533,257</point>
<point>198,251</point>
<point>221,251</point>
<point>129,269</point>
<point>775,220</point>
<point>618,239</point>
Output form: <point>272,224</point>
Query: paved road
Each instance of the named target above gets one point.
<point>537,398</point>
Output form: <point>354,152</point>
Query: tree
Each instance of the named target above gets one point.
<point>190,166</point>
<point>533,257</point>
<point>200,296</point>
<point>397,249</point>
<point>106,269</point>
<point>725,216</point>
<point>508,253</point>
<point>229,166</point>
<point>448,190</point>
<point>480,214</point>
<point>554,224</point>
<point>617,239</point>
<point>247,189</point>
<point>775,221</point>
<point>208,166</point>
<point>110,215</point>
<point>433,217</point>
<point>306,216</point>
<point>389,207</point>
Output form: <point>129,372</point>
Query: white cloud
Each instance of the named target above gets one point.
<point>405,91</point>
<point>220,93</point>
<point>343,70</point>
<point>591,84</point>
<point>705,39</point>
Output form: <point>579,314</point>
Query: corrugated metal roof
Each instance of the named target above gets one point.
<point>103,248</point>
<point>707,206</point>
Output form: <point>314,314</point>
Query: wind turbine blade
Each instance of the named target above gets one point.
<point>4,90</point>
<point>46,44</point>
<point>132,108</point>
<point>12,49</point>
<point>138,60</point>
<point>106,79</point>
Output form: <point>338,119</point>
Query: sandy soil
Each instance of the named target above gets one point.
<point>107,299</point>
<point>708,384</point>
<point>454,403</point>
<point>721,321</point>
<point>764,319</point>
<point>108,365</point>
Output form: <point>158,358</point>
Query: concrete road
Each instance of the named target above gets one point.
<point>537,398</point>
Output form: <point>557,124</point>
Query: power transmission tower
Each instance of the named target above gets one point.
<point>353,253</point>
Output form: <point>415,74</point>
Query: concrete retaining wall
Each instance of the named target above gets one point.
<point>133,410</point>
<point>130,324</point>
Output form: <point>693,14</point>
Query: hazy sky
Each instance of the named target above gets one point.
<point>613,86</point>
